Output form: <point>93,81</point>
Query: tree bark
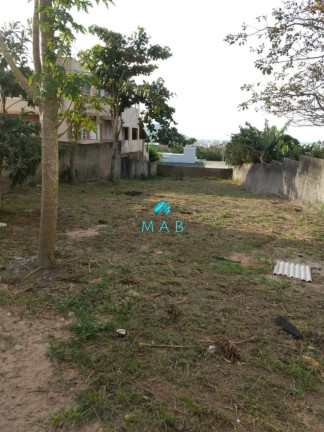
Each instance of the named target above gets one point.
<point>113,171</point>
<point>48,118</point>
<point>3,103</point>
<point>36,41</point>
<point>1,167</point>
<point>49,201</point>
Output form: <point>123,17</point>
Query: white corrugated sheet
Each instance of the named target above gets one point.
<point>297,271</point>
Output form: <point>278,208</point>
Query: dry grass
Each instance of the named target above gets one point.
<point>211,282</point>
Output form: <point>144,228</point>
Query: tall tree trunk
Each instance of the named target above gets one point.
<point>1,167</point>
<point>49,203</point>
<point>114,159</point>
<point>48,118</point>
<point>3,103</point>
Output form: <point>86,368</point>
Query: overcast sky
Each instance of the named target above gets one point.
<point>205,72</point>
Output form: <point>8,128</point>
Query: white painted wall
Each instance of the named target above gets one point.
<point>188,156</point>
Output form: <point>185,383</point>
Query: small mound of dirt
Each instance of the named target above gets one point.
<point>82,234</point>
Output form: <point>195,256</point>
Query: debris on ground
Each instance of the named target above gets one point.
<point>230,349</point>
<point>129,417</point>
<point>121,332</point>
<point>173,312</point>
<point>3,225</point>
<point>133,283</point>
<point>288,327</point>
<point>310,361</point>
<point>297,271</point>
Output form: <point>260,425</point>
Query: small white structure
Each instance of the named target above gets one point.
<point>187,157</point>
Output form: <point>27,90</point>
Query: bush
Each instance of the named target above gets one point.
<point>154,155</point>
<point>315,150</point>
<point>212,153</point>
<point>251,145</point>
<point>20,147</point>
<point>244,147</point>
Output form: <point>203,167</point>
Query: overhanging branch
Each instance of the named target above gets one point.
<point>22,80</point>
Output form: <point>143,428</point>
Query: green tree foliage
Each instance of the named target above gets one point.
<point>212,153</point>
<point>155,97</point>
<point>244,147</point>
<point>171,137</point>
<point>314,150</point>
<point>251,145</point>
<point>154,155</point>
<point>20,150</point>
<point>116,63</point>
<point>17,38</point>
<point>289,46</point>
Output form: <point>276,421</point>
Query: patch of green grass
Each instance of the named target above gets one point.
<point>70,351</point>
<point>250,245</point>
<point>225,214</point>
<point>223,267</point>
<point>202,409</point>
<point>85,329</point>
<point>267,361</point>
<point>7,211</point>
<point>5,297</point>
<point>85,299</point>
<point>89,406</point>
<point>305,379</point>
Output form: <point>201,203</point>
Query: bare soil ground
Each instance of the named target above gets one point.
<point>63,365</point>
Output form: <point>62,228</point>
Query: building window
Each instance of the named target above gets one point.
<point>134,133</point>
<point>109,131</point>
<point>83,134</point>
<point>93,135</point>
<point>125,133</point>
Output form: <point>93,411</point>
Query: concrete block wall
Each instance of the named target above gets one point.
<point>153,168</point>
<point>174,171</point>
<point>136,168</point>
<point>301,180</point>
<point>92,161</point>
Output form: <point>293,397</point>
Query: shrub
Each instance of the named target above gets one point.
<point>154,155</point>
<point>212,153</point>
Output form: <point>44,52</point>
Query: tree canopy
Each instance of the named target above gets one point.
<point>170,136</point>
<point>289,49</point>
<point>116,63</point>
